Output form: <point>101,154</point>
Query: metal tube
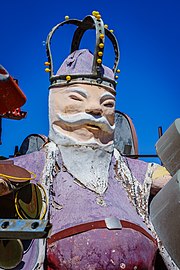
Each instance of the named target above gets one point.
<point>141,156</point>
<point>160,133</point>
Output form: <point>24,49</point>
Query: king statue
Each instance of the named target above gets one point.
<point>95,198</point>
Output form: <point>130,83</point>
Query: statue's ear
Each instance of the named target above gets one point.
<point>125,137</point>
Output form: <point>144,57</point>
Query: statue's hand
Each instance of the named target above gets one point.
<point>160,177</point>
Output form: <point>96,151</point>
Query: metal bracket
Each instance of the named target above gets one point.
<point>24,228</point>
<point>113,223</point>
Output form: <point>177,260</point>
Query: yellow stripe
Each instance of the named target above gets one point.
<point>19,178</point>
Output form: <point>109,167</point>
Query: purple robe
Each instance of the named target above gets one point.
<point>73,205</point>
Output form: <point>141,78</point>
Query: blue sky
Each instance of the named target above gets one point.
<point>148,86</point>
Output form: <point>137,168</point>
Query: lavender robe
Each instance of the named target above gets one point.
<point>98,248</point>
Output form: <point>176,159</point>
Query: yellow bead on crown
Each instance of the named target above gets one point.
<point>101,36</point>
<point>46,63</point>
<point>100,54</point>
<point>66,17</point>
<point>101,45</point>
<point>99,61</point>
<point>68,78</point>
<point>95,13</point>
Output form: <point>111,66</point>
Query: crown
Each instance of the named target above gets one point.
<point>96,72</point>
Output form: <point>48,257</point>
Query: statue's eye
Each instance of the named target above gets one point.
<point>74,97</point>
<point>108,104</point>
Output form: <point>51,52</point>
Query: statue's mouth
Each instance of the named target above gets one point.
<point>93,127</point>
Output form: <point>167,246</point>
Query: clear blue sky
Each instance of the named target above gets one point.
<point>149,37</point>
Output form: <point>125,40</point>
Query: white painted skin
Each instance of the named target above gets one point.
<point>83,113</point>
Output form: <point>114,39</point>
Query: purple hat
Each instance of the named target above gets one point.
<point>81,66</point>
<point>79,63</point>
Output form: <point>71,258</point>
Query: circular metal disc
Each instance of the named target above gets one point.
<point>11,253</point>
<point>29,202</point>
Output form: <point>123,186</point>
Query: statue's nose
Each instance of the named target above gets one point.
<point>94,111</point>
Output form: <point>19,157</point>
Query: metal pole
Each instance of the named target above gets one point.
<point>160,133</point>
<point>141,156</point>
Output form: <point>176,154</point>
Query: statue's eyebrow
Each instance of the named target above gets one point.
<point>78,90</point>
<point>107,95</point>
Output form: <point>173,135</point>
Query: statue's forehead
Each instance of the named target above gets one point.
<point>84,90</point>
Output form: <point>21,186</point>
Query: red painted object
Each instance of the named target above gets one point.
<point>11,96</point>
<point>16,114</point>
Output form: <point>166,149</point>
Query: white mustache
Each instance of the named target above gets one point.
<point>84,118</point>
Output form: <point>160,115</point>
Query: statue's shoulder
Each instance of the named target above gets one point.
<point>33,162</point>
<point>145,172</point>
<point>131,162</point>
<point>138,168</point>
<point>34,157</point>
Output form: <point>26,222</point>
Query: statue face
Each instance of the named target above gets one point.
<point>83,112</point>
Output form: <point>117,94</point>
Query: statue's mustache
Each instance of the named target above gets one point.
<point>83,119</point>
